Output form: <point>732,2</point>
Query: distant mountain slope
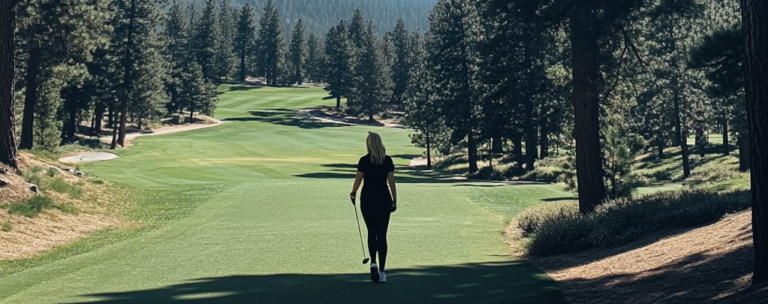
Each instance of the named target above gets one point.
<point>320,15</point>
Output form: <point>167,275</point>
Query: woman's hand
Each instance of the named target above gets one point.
<point>394,206</point>
<point>353,196</point>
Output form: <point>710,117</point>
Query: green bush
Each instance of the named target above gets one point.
<point>37,169</point>
<point>52,172</point>
<point>32,206</point>
<point>543,174</point>
<point>61,186</point>
<point>6,227</point>
<point>558,228</point>
<point>32,177</point>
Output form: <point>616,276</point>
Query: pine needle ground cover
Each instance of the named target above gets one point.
<point>257,208</point>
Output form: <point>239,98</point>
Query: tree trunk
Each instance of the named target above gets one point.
<point>744,152</point>
<point>726,148</point>
<point>113,145</point>
<point>755,31</point>
<point>701,141</point>
<point>586,102</point>
<point>191,115</point>
<point>98,117</point>
<point>71,124</point>
<point>497,144</point>
<point>683,136</point>
<point>472,147</point>
<point>30,99</point>
<point>123,118</point>
<point>661,150</point>
<point>429,151</point>
<point>544,141</point>
<point>531,147</point>
<point>7,91</point>
<point>517,141</point>
<point>242,64</point>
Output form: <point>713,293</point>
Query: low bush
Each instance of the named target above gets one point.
<point>32,206</point>
<point>6,227</point>
<point>543,174</point>
<point>557,228</point>
<point>61,186</point>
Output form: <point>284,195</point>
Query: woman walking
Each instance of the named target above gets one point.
<point>376,202</point>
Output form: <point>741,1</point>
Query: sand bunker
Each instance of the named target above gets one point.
<point>88,157</point>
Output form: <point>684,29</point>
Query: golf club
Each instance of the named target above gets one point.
<point>365,259</point>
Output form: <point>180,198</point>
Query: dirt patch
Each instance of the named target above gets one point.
<point>710,264</point>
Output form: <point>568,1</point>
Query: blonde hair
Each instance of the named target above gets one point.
<point>376,148</point>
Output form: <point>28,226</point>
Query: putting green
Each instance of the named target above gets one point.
<point>269,221</point>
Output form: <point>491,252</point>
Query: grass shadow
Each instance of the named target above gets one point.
<point>283,117</point>
<point>493,282</point>
<point>244,88</point>
<point>559,199</point>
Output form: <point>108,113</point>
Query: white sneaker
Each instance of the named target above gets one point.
<point>382,277</point>
<point>374,273</point>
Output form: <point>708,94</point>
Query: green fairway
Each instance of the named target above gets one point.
<point>266,219</point>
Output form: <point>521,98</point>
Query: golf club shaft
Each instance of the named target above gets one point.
<point>359,231</point>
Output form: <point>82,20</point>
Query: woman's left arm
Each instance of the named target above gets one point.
<point>356,185</point>
<point>393,188</point>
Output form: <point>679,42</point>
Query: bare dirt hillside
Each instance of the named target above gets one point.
<point>710,264</point>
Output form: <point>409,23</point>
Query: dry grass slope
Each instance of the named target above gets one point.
<point>98,207</point>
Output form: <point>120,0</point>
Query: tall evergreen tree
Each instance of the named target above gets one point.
<point>245,38</point>
<point>755,32</point>
<point>423,114</point>
<point>372,76</point>
<point>315,59</point>
<point>298,51</point>
<point>175,37</point>
<point>7,78</point>
<point>206,37</point>
<point>270,42</point>
<point>225,57</point>
<point>134,44</point>
<point>338,51</point>
<point>454,32</point>
<point>402,66</point>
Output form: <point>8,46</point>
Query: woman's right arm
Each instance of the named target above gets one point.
<point>393,188</point>
<point>356,185</point>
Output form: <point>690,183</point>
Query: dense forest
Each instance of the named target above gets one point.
<point>599,81</point>
<point>320,15</point>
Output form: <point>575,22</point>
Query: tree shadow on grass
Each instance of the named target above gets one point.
<point>284,117</point>
<point>559,199</point>
<point>495,282</point>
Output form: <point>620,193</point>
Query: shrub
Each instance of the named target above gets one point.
<point>61,186</point>
<point>37,169</point>
<point>6,226</point>
<point>32,206</point>
<point>52,172</point>
<point>32,177</point>
<point>558,227</point>
<point>543,174</point>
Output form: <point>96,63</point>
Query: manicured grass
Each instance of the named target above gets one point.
<point>257,209</point>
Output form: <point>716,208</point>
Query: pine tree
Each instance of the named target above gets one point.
<point>298,51</point>
<point>755,33</point>
<point>7,78</point>
<point>372,76</point>
<point>245,39</point>
<point>270,43</point>
<point>196,91</point>
<point>402,65</point>
<point>315,59</point>
<point>175,37</point>
<point>133,45</point>
<point>206,38</point>
<point>338,51</point>
<point>454,30</point>
<point>225,57</point>
<point>423,114</point>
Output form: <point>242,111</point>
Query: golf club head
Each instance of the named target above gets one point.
<point>365,261</point>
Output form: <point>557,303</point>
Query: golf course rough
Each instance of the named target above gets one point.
<point>272,222</point>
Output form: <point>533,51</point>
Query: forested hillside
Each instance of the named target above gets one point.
<point>320,15</point>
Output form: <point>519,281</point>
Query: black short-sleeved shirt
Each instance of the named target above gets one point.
<point>375,177</point>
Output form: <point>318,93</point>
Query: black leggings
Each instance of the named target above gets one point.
<point>376,216</point>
